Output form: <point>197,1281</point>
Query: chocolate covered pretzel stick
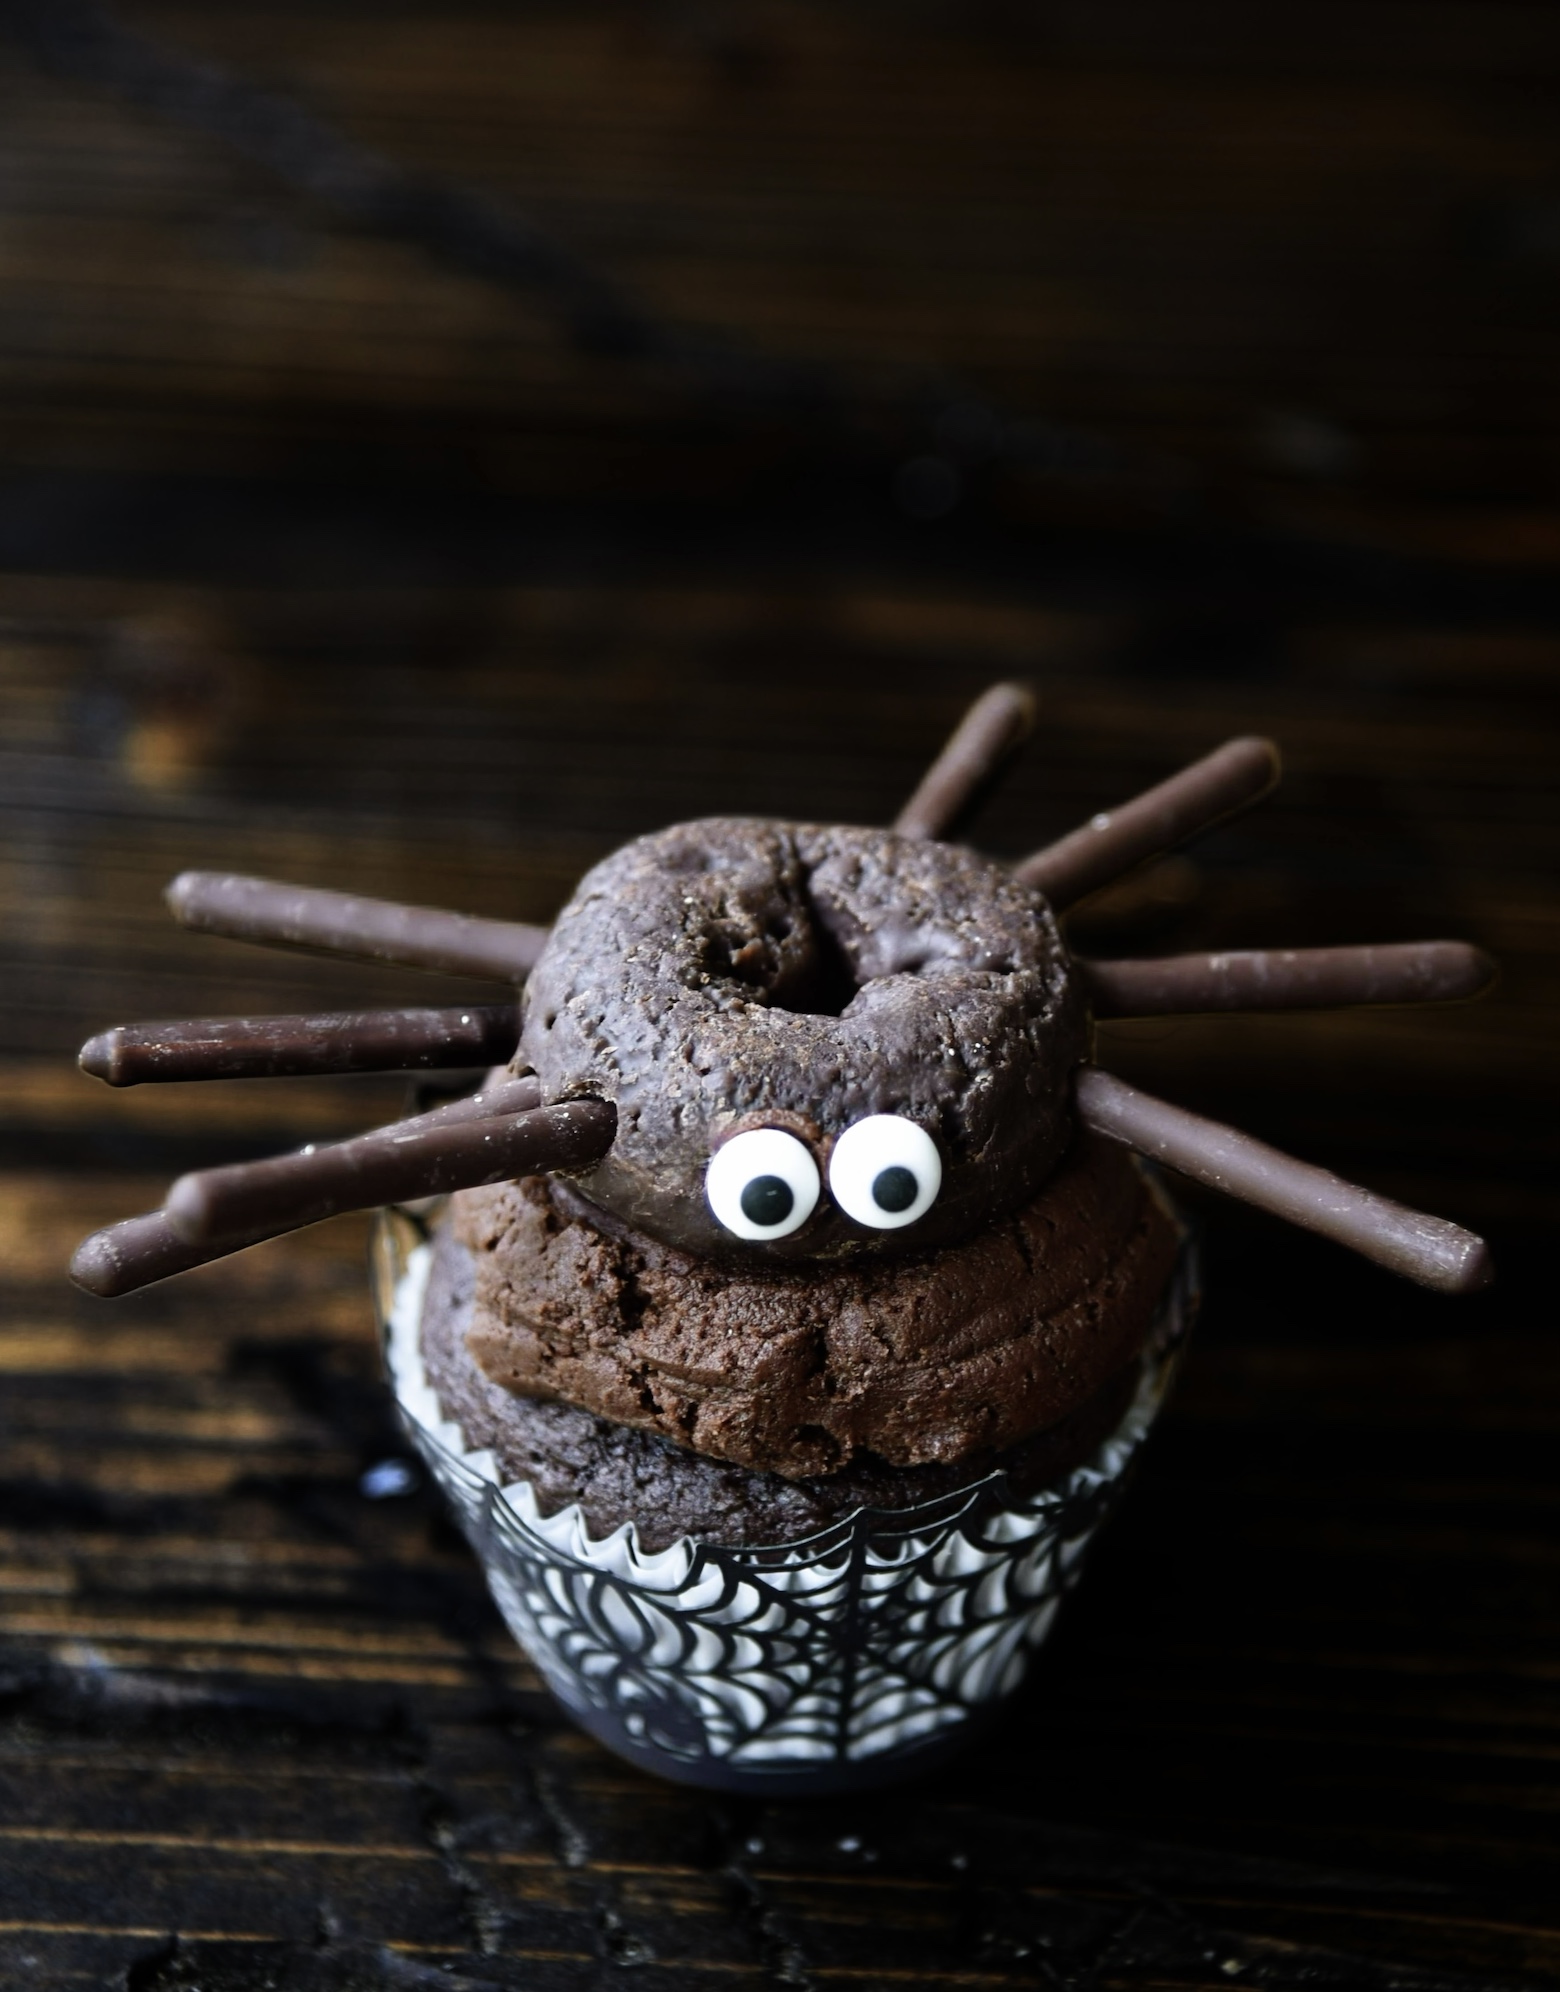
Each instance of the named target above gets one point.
<point>1287,979</point>
<point>388,1166</point>
<point>293,1047</point>
<point>993,728</point>
<point>1228,780</point>
<point>306,916</point>
<point>1427,1249</point>
<point>141,1250</point>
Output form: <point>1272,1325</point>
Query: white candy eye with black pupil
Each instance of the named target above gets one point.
<point>762,1184</point>
<point>885,1171</point>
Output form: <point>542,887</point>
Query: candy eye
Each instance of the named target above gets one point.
<point>762,1184</point>
<point>885,1171</point>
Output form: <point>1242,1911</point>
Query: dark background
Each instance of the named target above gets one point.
<point>439,442</point>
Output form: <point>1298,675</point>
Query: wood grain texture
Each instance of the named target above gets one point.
<point>322,558</point>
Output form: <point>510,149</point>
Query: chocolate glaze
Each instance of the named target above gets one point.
<point>957,781</point>
<point>618,1474</point>
<point>1431,1250</point>
<point>731,971</point>
<point>141,1250</point>
<point>1229,779</point>
<point>292,1047</point>
<point>307,916</point>
<point>1287,979</point>
<point>413,1158</point>
<point>801,1370</point>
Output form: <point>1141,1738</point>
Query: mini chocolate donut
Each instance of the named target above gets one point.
<point>867,1035</point>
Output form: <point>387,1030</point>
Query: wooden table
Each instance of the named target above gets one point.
<point>1197,367</point>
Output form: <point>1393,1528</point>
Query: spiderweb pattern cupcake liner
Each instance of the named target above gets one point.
<point>846,1658</point>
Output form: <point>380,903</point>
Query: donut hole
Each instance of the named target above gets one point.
<point>786,952</point>
<point>829,984</point>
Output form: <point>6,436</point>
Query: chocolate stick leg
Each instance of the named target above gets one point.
<point>290,1047</point>
<point>303,916</point>
<point>142,1250</point>
<point>993,728</point>
<point>388,1166</point>
<point>1427,1249</point>
<point>1230,779</point>
<point>1287,979</point>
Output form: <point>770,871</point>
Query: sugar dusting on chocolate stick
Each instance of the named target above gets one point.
<point>995,726</point>
<point>294,1047</point>
<point>1228,780</point>
<point>142,1250</point>
<point>1288,979</point>
<point>305,916</point>
<point>1430,1250</point>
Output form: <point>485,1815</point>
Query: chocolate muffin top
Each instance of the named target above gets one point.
<point>730,978</point>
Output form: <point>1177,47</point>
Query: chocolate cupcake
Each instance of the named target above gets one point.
<point>735,1628</point>
<point>800,1298</point>
<point>848,1305</point>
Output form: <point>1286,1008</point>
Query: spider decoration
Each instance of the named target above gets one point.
<point>505,1131</point>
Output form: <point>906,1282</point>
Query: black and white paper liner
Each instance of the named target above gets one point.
<point>868,1642</point>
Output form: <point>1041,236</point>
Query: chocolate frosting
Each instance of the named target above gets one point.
<point>617,1474</point>
<point>732,973</point>
<point>799,1370</point>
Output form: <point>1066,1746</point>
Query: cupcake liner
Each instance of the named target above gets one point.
<point>848,1658</point>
